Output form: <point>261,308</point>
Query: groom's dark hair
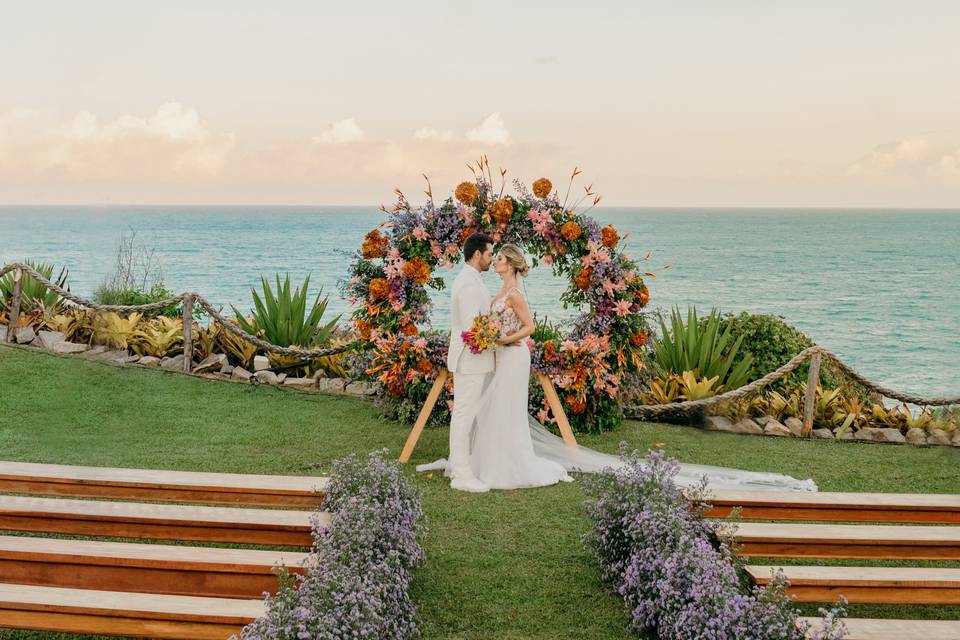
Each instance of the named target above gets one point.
<point>475,242</point>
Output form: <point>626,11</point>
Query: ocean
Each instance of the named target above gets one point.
<point>877,287</point>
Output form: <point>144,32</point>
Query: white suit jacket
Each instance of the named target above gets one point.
<point>470,298</point>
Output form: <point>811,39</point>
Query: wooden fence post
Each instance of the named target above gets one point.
<point>811,397</point>
<point>187,332</point>
<point>550,393</point>
<point>424,415</point>
<point>14,313</point>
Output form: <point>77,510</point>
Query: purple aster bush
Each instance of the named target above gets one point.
<point>359,571</point>
<point>677,576</point>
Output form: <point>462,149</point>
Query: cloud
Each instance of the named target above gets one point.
<point>546,60</point>
<point>910,159</point>
<point>491,131</point>
<point>342,132</point>
<point>429,133</point>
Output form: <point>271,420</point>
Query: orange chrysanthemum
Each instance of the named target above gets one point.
<point>467,192</point>
<point>374,245</point>
<point>639,338</point>
<point>610,236</point>
<point>575,404</point>
<point>503,210</point>
<point>644,296</point>
<point>583,279</point>
<point>424,366</point>
<point>417,270</point>
<point>570,230</point>
<point>466,233</point>
<point>379,288</point>
<point>409,329</point>
<point>542,187</point>
<point>364,328</point>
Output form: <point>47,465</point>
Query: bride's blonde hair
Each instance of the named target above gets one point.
<point>515,257</point>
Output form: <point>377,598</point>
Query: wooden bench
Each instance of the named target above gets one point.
<point>303,492</point>
<point>837,507</point>
<point>157,521</point>
<point>148,568</point>
<point>791,540</point>
<point>884,629</point>
<point>867,585</point>
<point>124,614</point>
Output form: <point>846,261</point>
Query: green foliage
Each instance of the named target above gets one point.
<point>107,294</point>
<point>544,330</point>
<point>283,319</point>
<point>32,293</point>
<point>702,347</point>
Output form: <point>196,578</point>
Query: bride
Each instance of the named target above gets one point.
<point>511,450</point>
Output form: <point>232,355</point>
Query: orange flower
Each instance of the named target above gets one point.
<point>542,187</point>
<point>364,328</point>
<point>374,245</point>
<point>503,210</point>
<point>379,289</point>
<point>570,230</point>
<point>576,405</point>
<point>583,279</point>
<point>644,296</point>
<point>639,338</point>
<point>466,233</point>
<point>610,236</point>
<point>409,329</point>
<point>467,192</point>
<point>424,366</point>
<point>417,270</point>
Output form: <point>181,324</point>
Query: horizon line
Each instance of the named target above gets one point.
<point>377,206</point>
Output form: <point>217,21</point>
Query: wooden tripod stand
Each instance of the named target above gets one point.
<point>549,392</point>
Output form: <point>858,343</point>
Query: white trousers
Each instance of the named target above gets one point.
<point>468,390</point>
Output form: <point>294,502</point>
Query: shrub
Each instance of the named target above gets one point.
<point>677,577</point>
<point>359,571</point>
<point>702,346</point>
<point>106,294</point>
<point>284,319</point>
<point>32,293</point>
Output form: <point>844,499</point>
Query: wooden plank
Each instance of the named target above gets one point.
<point>161,485</point>
<point>88,611</point>
<point>148,568</point>
<point>187,332</point>
<point>867,585</point>
<point>158,521</point>
<point>810,397</point>
<point>838,507</point>
<point>13,312</point>
<point>890,629</point>
<point>550,393</point>
<point>909,542</point>
<point>424,415</point>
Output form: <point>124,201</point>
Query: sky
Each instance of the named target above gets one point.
<point>736,103</point>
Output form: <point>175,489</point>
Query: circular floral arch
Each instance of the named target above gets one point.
<point>398,261</point>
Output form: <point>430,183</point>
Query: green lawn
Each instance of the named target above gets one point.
<point>503,564</point>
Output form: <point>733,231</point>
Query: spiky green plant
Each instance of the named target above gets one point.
<point>284,319</point>
<point>32,293</point>
<point>701,347</point>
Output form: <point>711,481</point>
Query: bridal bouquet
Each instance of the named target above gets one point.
<point>483,334</point>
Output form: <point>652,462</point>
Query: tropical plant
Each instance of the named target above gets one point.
<point>32,293</point>
<point>135,297</point>
<point>544,330</point>
<point>663,390</point>
<point>283,319</point>
<point>113,330</point>
<point>334,366</point>
<point>75,324</point>
<point>159,337</point>
<point>694,389</point>
<point>205,340</point>
<point>701,347</point>
<point>233,345</point>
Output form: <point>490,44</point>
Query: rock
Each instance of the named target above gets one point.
<point>173,364</point>
<point>359,389</point>
<point>824,434</point>
<point>227,368</point>
<point>213,362</point>
<point>260,363</point>
<point>113,355</point>
<point>266,377</point>
<point>3,333</point>
<point>150,361</point>
<point>332,385</point>
<point>299,382</point>
<point>747,426</point>
<point>889,435</point>
<point>239,373</point>
<point>219,375</point>
<point>763,420</point>
<point>916,436</point>
<point>68,347</point>
<point>95,350</point>
<point>281,377</point>
<point>794,424</point>
<point>867,434</point>
<point>131,359</point>
<point>938,436</point>
<point>320,373</point>
<point>24,335</point>
<point>955,441</point>
<point>774,428</point>
<point>845,435</point>
<point>718,423</point>
<point>48,339</point>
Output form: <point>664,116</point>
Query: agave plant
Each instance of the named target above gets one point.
<point>160,337</point>
<point>283,319</point>
<point>32,293</point>
<point>699,346</point>
<point>113,330</point>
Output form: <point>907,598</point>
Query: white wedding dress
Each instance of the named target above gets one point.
<point>511,450</point>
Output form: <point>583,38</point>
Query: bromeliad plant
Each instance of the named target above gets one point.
<point>284,319</point>
<point>159,337</point>
<point>34,295</point>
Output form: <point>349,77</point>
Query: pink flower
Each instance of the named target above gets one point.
<point>587,261</point>
<point>420,233</point>
<point>420,343</point>
<point>496,236</point>
<point>436,250</point>
<point>623,307</point>
<point>608,287</point>
<point>397,305</point>
<point>530,343</point>
<point>548,259</point>
<point>394,254</point>
<point>452,249</point>
<point>542,416</point>
<point>568,345</point>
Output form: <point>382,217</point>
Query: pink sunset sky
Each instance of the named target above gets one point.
<point>737,103</point>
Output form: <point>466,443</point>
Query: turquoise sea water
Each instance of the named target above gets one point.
<point>879,288</point>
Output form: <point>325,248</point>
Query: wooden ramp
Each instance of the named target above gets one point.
<point>883,629</point>
<point>156,521</point>
<point>124,614</point>
<point>837,507</point>
<point>782,540</point>
<point>156,485</point>
<point>867,585</point>
<point>148,568</point>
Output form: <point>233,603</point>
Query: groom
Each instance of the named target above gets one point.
<point>470,298</point>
